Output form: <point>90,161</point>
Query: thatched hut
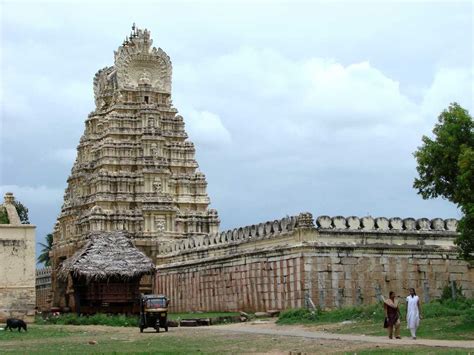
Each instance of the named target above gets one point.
<point>105,274</point>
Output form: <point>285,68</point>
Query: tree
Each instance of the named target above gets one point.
<point>22,212</point>
<point>44,256</point>
<point>446,169</point>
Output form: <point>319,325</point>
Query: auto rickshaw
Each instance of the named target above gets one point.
<point>153,312</point>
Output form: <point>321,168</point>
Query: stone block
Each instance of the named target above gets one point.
<point>349,260</point>
<point>339,222</point>
<point>367,223</point>
<point>396,223</point>
<point>409,224</point>
<point>437,224</point>
<point>382,223</point>
<point>451,224</point>
<point>353,223</point>
<point>423,224</point>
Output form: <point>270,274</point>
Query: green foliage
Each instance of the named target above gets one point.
<point>96,319</point>
<point>442,161</point>
<point>298,315</point>
<point>447,308</point>
<point>465,241</point>
<point>446,169</point>
<point>468,317</point>
<point>22,212</point>
<point>375,312</point>
<point>301,315</point>
<point>4,216</point>
<point>44,256</point>
<point>447,293</point>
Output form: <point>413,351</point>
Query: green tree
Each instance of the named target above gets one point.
<point>22,212</point>
<point>44,256</point>
<point>446,169</point>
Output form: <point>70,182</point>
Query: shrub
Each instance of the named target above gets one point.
<point>447,293</point>
<point>298,315</point>
<point>96,319</point>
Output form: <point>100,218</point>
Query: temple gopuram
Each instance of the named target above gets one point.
<point>135,170</point>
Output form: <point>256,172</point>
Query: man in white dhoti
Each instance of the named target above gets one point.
<point>413,312</point>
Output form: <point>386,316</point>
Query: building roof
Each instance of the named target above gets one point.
<point>107,255</point>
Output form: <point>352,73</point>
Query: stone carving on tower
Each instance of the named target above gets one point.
<point>135,168</point>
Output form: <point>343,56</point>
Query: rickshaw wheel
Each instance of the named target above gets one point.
<point>141,329</point>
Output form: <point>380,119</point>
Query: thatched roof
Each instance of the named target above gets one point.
<point>107,255</point>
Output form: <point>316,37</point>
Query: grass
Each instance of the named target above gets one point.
<point>447,320</point>
<point>55,339</point>
<point>34,332</point>
<point>123,320</point>
<point>96,319</point>
<point>413,350</point>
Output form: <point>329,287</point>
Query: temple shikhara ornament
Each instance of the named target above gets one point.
<point>135,169</point>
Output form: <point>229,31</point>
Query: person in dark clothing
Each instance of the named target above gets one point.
<point>392,316</point>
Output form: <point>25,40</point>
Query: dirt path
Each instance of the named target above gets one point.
<point>270,328</point>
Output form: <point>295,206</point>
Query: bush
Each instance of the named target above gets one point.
<point>96,319</point>
<point>447,294</point>
<point>447,308</point>
<point>298,315</point>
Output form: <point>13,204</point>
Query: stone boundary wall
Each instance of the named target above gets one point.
<point>336,277</point>
<point>248,283</point>
<point>43,289</point>
<point>17,266</point>
<point>330,277</point>
<point>285,263</point>
<point>17,272</point>
<point>352,224</point>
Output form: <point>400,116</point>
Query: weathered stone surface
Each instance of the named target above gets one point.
<point>367,223</point>
<point>451,224</point>
<point>437,224</point>
<point>273,312</point>
<point>409,224</point>
<point>423,224</point>
<point>353,222</point>
<point>135,168</point>
<point>396,223</point>
<point>339,222</point>
<point>17,266</point>
<point>324,222</point>
<point>382,223</point>
<point>332,265</point>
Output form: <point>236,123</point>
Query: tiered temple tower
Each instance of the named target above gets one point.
<point>135,169</point>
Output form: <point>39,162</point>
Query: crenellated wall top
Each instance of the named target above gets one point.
<point>323,224</point>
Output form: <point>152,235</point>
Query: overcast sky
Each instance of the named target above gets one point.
<point>292,106</point>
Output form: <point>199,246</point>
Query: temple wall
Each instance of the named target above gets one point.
<point>286,263</point>
<point>17,271</point>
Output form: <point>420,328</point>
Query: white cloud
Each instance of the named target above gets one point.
<point>449,85</point>
<point>325,115</point>
<point>206,128</point>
